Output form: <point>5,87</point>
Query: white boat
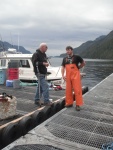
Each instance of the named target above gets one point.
<point>26,72</point>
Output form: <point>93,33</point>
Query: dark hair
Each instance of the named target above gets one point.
<point>69,47</point>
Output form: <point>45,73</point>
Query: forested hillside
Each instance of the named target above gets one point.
<point>100,48</point>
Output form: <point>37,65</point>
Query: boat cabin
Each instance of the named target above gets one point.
<point>26,72</point>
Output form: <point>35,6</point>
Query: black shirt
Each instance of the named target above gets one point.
<point>75,59</point>
<point>37,59</point>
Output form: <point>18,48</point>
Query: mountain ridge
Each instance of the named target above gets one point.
<point>101,47</point>
<point>4,46</point>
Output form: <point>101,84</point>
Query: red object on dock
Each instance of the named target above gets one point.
<point>13,73</point>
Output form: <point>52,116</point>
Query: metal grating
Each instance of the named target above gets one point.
<point>25,97</point>
<point>106,111</point>
<point>35,147</point>
<point>28,92</point>
<point>97,98</point>
<point>97,140</point>
<point>104,129</point>
<point>94,103</point>
<point>107,119</point>
<point>81,114</point>
<point>84,127</point>
<point>83,124</point>
<point>18,93</point>
<point>26,106</point>
<point>78,136</point>
<point>74,122</point>
<point>68,133</point>
<point>91,115</point>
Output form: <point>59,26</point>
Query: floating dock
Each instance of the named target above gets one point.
<point>25,99</point>
<point>87,129</point>
<point>27,115</point>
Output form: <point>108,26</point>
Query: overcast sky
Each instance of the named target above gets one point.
<point>57,22</point>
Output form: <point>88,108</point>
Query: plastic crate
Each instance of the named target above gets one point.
<point>2,76</point>
<point>13,73</point>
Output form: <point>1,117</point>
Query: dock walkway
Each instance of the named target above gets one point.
<point>25,99</point>
<point>87,129</point>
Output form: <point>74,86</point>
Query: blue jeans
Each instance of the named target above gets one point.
<point>44,89</point>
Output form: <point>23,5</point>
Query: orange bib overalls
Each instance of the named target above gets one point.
<point>73,82</point>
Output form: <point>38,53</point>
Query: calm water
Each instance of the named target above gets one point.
<point>96,70</point>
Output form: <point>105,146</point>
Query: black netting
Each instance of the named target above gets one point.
<point>35,147</point>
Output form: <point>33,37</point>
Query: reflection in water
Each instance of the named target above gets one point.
<point>96,70</point>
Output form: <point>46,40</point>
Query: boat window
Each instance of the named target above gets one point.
<point>2,63</point>
<point>24,63</point>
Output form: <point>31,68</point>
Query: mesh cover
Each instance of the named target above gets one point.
<point>35,147</point>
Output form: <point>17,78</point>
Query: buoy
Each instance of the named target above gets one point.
<point>62,103</point>
<point>56,107</point>
<point>48,112</point>
<point>38,117</point>
<point>26,124</point>
<point>10,133</point>
<point>84,89</point>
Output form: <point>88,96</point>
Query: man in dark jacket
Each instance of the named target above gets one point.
<point>39,60</point>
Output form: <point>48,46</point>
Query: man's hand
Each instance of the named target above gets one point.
<point>64,77</point>
<point>46,64</point>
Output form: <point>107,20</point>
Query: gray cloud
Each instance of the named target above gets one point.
<point>57,22</point>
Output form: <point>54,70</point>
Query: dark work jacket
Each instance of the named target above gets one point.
<point>37,59</point>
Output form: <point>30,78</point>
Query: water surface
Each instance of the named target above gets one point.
<point>96,70</point>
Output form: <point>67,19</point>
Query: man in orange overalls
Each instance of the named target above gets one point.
<point>71,64</point>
